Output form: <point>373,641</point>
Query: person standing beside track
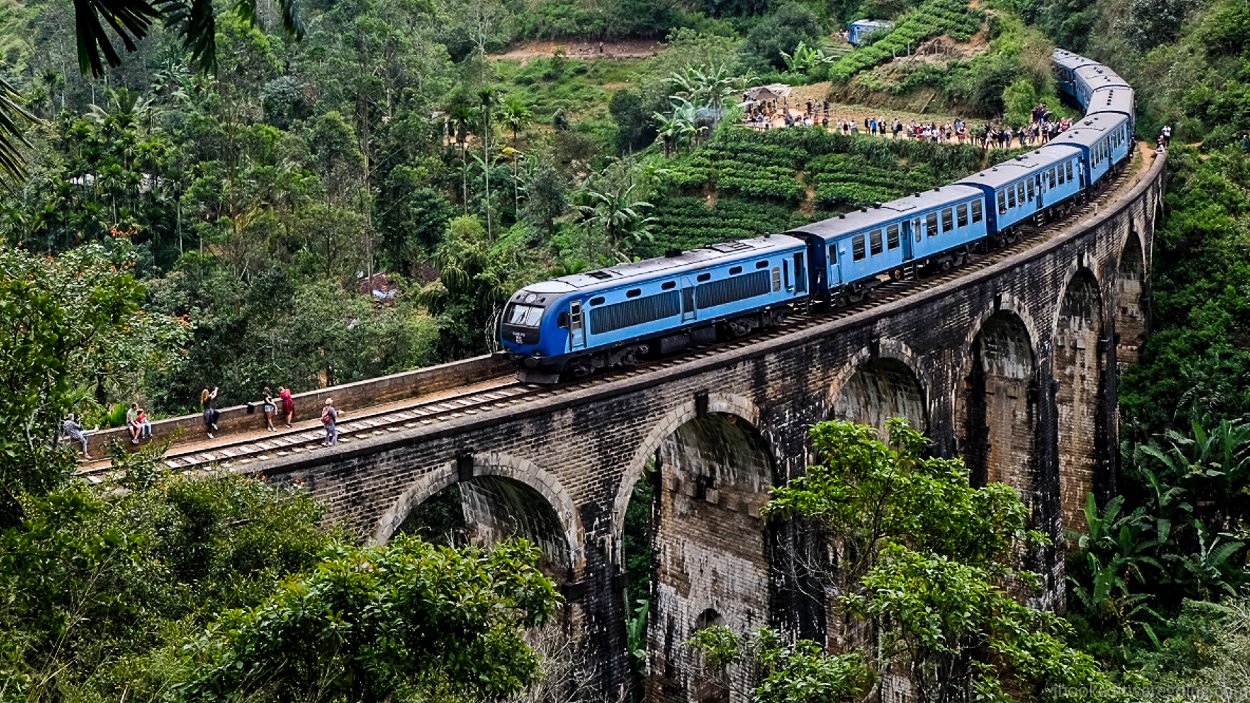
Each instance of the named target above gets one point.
<point>288,404</point>
<point>330,416</point>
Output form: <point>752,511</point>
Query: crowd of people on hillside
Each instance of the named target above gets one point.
<point>777,113</point>
<point>281,406</point>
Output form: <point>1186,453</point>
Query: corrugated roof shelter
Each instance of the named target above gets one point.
<point>772,91</point>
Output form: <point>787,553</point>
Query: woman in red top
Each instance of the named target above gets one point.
<point>288,404</point>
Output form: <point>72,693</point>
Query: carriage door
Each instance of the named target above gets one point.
<point>800,273</point>
<point>1039,181</point>
<point>577,326</point>
<point>687,299</point>
<point>909,226</point>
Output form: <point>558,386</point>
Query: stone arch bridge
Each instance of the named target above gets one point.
<point>1013,366</point>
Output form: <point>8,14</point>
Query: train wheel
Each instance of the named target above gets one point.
<point>581,367</point>
<point>896,274</point>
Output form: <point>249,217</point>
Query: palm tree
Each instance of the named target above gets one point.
<point>487,100</point>
<point>459,115</point>
<point>12,115</point>
<point>666,130</point>
<point>618,216</point>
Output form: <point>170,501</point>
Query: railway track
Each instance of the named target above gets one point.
<point>242,453</point>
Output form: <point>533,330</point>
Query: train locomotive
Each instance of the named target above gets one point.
<point>574,325</point>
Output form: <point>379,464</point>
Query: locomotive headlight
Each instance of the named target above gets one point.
<point>531,298</point>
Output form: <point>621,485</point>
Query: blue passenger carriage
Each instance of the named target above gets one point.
<point>1114,99</point>
<point>1065,65</point>
<point>1028,186</point>
<point>931,229</point>
<point>618,314</point>
<point>1092,77</point>
<point>1104,140</point>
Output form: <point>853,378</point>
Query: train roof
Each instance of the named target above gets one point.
<point>1111,99</point>
<point>884,212</point>
<point>723,252</point>
<point>1090,129</point>
<point>1008,171</point>
<point>1066,59</point>
<point>1099,76</point>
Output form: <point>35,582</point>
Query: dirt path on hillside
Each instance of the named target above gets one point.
<point>624,49</point>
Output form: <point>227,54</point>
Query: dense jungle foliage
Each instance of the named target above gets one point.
<point>181,228</point>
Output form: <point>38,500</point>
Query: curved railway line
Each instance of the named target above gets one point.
<point>248,452</point>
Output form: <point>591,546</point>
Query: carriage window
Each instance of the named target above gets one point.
<point>930,224</point>
<point>874,238</point>
<point>1029,186</point>
<point>1062,180</point>
<point>668,285</point>
<point>976,211</point>
<point>833,254</point>
<point>948,219</point>
<point>961,212</point>
<point>525,315</point>
<point>704,277</point>
<point>1069,170</point>
<point>1020,192</point>
<point>1002,201</point>
<point>891,236</point>
<point>1050,178</point>
<point>735,271</point>
<point>1011,197</point>
<point>857,247</point>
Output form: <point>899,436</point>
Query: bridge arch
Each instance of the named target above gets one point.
<point>1078,365</point>
<point>711,550</point>
<point>1130,311</point>
<point>526,500</point>
<point>728,404</point>
<point>878,383</point>
<point>997,404</point>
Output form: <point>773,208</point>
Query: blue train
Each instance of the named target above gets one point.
<point>615,316</point>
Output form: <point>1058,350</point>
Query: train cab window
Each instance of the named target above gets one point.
<point>668,285</point>
<point>525,315</point>
<point>1011,197</point>
<point>930,224</point>
<point>857,247</point>
<point>948,219</point>
<point>703,277</point>
<point>891,236</point>
<point>1028,185</point>
<point>961,213</point>
<point>976,211</point>
<point>761,264</point>
<point>1002,202</point>
<point>874,239</point>
<point>562,320</point>
<point>735,270</point>
<point>833,254</point>
<point>597,300</point>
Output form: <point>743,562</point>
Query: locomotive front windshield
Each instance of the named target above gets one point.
<point>524,315</point>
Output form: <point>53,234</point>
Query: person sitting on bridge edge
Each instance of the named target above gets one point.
<point>145,425</point>
<point>74,431</point>
<point>329,416</point>
<point>210,413</point>
<point>288,403</point>
<point>132,423</point>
